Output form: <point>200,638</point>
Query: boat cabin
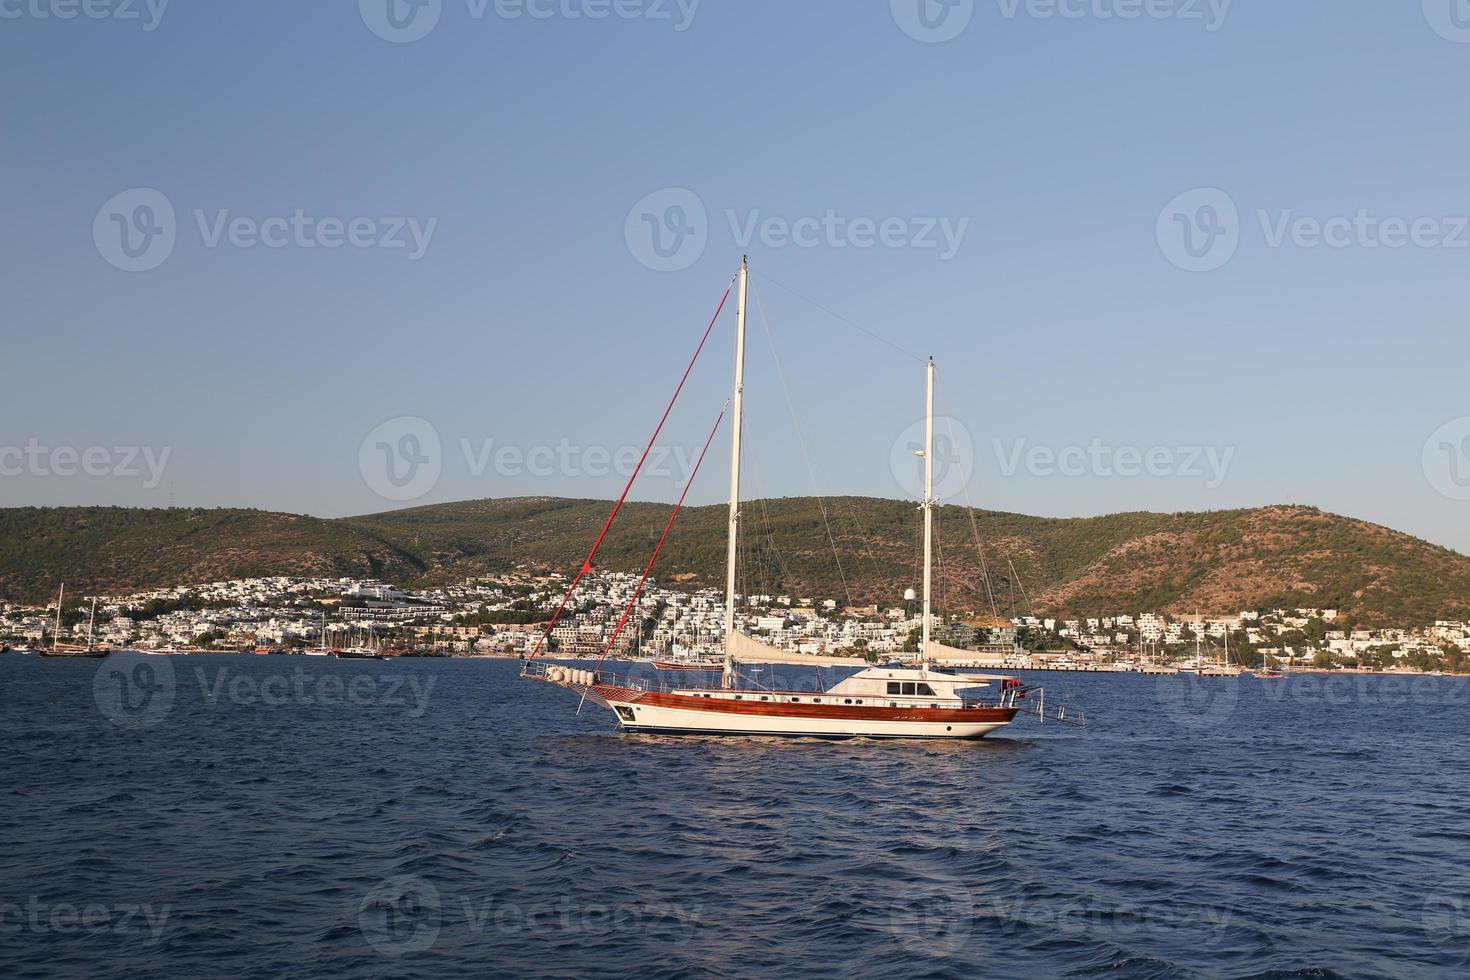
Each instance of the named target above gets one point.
<point>908,686</point>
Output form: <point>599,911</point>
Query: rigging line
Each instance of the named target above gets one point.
<point>1022,586</point>
<point>918,548</point>
<point>865,549</point>
<point>781,566</point>
<point>974,526</point>
<point>780,560</point>
<point>801,441</point>
<point>587,562</point>
<point>939,547</point>
<point>856,326</point>
<point>669,526</point>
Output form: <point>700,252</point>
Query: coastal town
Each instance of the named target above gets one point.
<point>505,615</point>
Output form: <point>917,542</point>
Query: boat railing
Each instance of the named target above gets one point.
<point>541,668</point>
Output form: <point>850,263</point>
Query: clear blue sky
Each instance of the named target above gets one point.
<point>1062,319</point>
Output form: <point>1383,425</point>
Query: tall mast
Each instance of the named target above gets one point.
<point>928,507</point>
<point>1198,640</point>
<point>60,601</point>
<point>733,535</point>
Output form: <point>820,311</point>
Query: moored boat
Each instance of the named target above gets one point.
<point>60,650</point>
<point>359,653</point>
<point>922,701</point>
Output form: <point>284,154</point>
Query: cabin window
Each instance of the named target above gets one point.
<point>926,689</point>
<point>847,700</point>
<point>893,687</point>
<point>764,698</point>
<point>816,700</point>
<point>859,700</point>
<point>625,712</point>
<point>739,697</point>
<point>908,687</point>
<point>933,705</point>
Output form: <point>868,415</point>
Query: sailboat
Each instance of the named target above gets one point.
<point>367,650</point>
<point>1267,671</point>
<point>1223,669</point>
<point>924,701</point>
<point>323,650</point>
<point>87,652</point>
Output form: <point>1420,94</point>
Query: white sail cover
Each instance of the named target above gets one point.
<point>748,650</point>
<point>940,653</point>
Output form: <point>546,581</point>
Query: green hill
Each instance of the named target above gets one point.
<point>1215,562</point>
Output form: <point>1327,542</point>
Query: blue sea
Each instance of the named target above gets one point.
<point>244,816</point>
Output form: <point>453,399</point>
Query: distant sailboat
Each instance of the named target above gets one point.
<point>1223,669</point>
<point>367,650</point>
<point>58,650</point>
<point>1267,671</point>
<point>1199,634</point>
<point>323,650</point>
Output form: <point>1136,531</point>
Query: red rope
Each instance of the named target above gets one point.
<point>659,547</point>
<point>587,564</point>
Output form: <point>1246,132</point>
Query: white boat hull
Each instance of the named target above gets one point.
<point>788,715</point>
<point>673,721</point>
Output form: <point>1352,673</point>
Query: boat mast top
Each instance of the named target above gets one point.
<point>737,421</point>
<point>928,507</point>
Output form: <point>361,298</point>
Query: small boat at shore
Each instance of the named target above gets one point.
<point>323,650</point>
<point>1268,671</point>
<point>360,653</point>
